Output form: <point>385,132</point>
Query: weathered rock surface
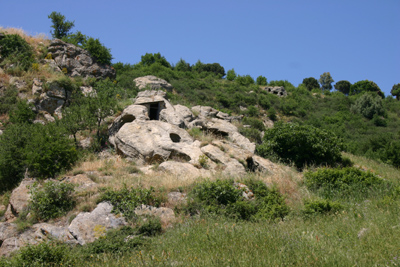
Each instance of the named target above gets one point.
<point>152,82</point>
<point>37,88</point>
<point>149,96</point>
<point>166,215</point>
<point>276,90</point>
<point>262,165</point>
<point>81,181</point>
<point>232,166</point>
<point>183,170</point>
<point>177,198</point>
<point>19,199</point>
<point>77,61</point>
<point>156,141</point>
<point>242,141</point>
<point>129,114</point>
<point>53,100</point>
<point>88,226</point>
<point>209,112</point>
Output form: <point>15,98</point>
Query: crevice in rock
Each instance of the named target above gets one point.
<point>251,166</point>
<point>175,138</point>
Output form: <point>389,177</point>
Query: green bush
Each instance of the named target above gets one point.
<point>98,50</point>
<point>345,182</point>
<point>43,254</point>
<point>320,206</point>
<point>8,99</point>
<point>15,50</point>
<point>127,199</point>
<point>222,197</point>
<point>22,113</point>
<point>368,106</point>
<point>300,145</point>
<point>366,86</point>
<point>115,241</point>
<point>151,227</point>
<point>52,200</point>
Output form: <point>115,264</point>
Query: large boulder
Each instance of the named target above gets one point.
<point>231,165</point>
<point>89,226</point>
<point>130,113</point>
<point>177,115</point>
<point>153,83</point>
<point>183,170</point>
<point>156,141</point>
<point>19,199</point>
<point>53,100</point>
<point>75,61</point>
<point>276,90</point>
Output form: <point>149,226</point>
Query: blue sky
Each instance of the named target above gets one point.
<point>282,40</point>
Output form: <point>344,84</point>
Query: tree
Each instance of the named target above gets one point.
<point>149,59</point>
<point>343,86</point>
<point>368,105</point>
<point>365,86</point>
<point>326,81</point>
<point>310,83</point>
<point>60,25</point>
<point>396,91</point>
<point>261,80</point>
<point>98,50</point>
<point>182,65</point>
<point>231,75</point>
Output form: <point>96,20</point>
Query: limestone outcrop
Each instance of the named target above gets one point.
<point>151,82</point>
<point>276,90</point>
<point>75,61</point>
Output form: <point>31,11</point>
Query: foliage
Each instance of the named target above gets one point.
<point>149,59</point>
<point>150,227</point>
<point>320,206</point>
<point>245,80</point>
<point>182,65</point>
<point>301,145</point>
<point>342,182</point>
<point>8,99</point>
<point>52,200</point>
<point>115,241</point>
<point>310,83</point>
<point>396,91</point>
<point>22,113</point>
<point>215,68</point>
<point>15,51</point>
<point>60,25</point>
<point>98,50</point>
<point>127,199</point>
<point>49,151</point>
<point>48,253</point>
<point>231,75</point>
<point>261,80</point>
<point>366,86</point>
<point>368,106</point>
<point>224,198</point>
<point>343,86</point>
<point>326,81</point>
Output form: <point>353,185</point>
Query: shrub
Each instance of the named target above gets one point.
<point>43,254</point>
<point>115,241</point>
<point>151,227</point>
<point>366,86</point>
<point>261,80</point>
<point>320,206</point>
<point>15,50</point>
<point>343,182</point>
<point>52,200</point>
<point>310,83</point>
<point>8,99</point>
<point>368,106</point>
<point>127,199</point>
<point>231,75</point>
<point>60,25</point>
<point>300,145</point>
<point>224,198</point>
<point>22,113</point>
<point>98,50</point>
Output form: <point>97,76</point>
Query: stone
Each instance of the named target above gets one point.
<point>233,150</point>
<point>45,231</point>
<point>89,226</point>
<point>37,88</point>
<point>262,165</point>
<point>87,90</point>
<point>19,198</point>
<point>177,198</point>
<point>19,83</point>
<point>242,141</point>
<point>1,132</point>
<point>49,118</point>
<point>276,90</point>
<point>247,193</point>
<point>75,61</point>
<point>177,115</point>
<point>232,166</point>
<point>50,104</point>
<point>82,182</point>
<point>220,127</point>
<point>156,141</point>
<point>183,170</point>
<point>7,230</point>
<point>153,83</point>
<point>166,215</point>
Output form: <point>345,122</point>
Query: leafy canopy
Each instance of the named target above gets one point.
<point>61,26</point>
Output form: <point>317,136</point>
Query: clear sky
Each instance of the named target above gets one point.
<point>282,40</point>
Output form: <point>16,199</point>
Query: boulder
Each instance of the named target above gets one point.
<point>183,170</point>
<point>242,141</point>
<point>233,150</point>
<point>150,96</point>
<point>37,88</point>
<point>166,215</point>
<point>232,166</point>
<point>75,61</point>
<point>276,90</point>
<point>177,115</point>
<point>157,141</point>
<point>177,198</point>
<point>209,112</point>
<point>153,83</point>
<point>220,127</point>
<point>82,182</point>
<point>7,230</point>
<point>130,113</point>
<point>19,199</point>
<point>89,226</point>
<point>262,165</point>
<point>18,83</point>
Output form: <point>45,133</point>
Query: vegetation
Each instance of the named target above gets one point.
<point>326,81</point>
<point>310,83</point>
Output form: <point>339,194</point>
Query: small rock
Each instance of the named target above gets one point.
<point>166,215</point>
<point>177,198</point>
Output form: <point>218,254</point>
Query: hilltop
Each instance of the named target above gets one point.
<point>157,163</point>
